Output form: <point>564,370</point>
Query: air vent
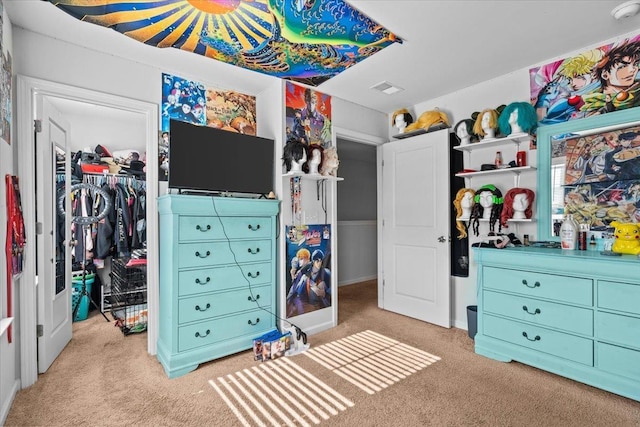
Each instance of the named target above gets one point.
<point>386,87</point>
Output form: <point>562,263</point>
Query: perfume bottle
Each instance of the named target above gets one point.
<point>498,160</point>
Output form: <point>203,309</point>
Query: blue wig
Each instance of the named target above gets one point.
<point>527,118</point>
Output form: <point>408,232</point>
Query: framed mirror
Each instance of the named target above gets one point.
<point>589,168</point>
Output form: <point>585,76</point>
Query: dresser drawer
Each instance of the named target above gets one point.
<point>575,290</point>
<point>540,339</point>
<point>619,296</point>
<point>619,329</point>
<point>213,279</point>
<point>212,228</point>
<point>543,313</point>
<point>208,332</point>
<point>618,360</point>
<point>206,306</point>
<point>218,253</point>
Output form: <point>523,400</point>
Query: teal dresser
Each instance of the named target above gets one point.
<point>217,277</point>
<point>573,313</point>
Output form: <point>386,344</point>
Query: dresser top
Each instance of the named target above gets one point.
<point>216,206</point>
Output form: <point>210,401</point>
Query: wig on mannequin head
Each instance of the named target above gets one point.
<point>527,118</point>
<point>294,150</point>
<point>468,125</point>
<point>496,210</point>
<point>507,210</point>
<point>493,121</point>
<point>408,118</point>
<point>310,150</point>
<point>461,225</point>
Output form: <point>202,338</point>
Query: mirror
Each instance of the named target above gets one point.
<point>605,189</point>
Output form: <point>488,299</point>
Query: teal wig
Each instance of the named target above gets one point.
<point>527,118</point>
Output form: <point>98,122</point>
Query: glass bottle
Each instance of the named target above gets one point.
<point>498,161</point>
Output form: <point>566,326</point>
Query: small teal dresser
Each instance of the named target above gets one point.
<point>217,277</point>
<point>573,313</point>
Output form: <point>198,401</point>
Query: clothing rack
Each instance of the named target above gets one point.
<point>99,179</point>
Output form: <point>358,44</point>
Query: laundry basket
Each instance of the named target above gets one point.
<point>77,299</point>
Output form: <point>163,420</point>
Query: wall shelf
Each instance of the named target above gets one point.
<point>515,171</point>
<point>517,140</point>
<point>309,177</point>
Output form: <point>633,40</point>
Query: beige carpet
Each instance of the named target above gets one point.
<point>106,379</point>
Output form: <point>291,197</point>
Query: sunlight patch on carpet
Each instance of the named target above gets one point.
<point>370,361</point>
<point>279,393</point>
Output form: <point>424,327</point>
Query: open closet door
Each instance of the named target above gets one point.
<point>53,249</point>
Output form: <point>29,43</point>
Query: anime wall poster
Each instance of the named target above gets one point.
<point>602,177</point>
<point>308,115</point>
<point>182,100</point>
<point>308,282</point>
<point>596,81</point>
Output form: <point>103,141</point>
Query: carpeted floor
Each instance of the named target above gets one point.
<point>104,378</point>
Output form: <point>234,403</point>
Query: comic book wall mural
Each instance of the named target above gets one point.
<point>308,115</point>
<point>308,282</point>
<point>193,102</point>
<point>596,81</point>
<point>304,40</point>
<point>602,176</point>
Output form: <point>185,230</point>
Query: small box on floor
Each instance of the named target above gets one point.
<point>271,345</point>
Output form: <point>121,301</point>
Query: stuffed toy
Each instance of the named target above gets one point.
<point>627,238</point>
<point>329,166</point>
<point>428,119</point>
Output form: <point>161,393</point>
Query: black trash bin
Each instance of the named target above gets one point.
<point>472,320</point>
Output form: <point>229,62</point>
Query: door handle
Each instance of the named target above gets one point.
<point>442,239</point>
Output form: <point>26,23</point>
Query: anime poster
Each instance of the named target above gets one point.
<point>602,177</point>
<point>182,100</point>
<point>308,115</point>
<point>232,111</point>
<point>308,282</point>
<point>596,81</point>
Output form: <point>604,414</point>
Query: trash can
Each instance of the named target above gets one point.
<point>472,320</point>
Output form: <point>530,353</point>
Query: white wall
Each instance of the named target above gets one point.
<point>9,353</point>
<point>459,105</point>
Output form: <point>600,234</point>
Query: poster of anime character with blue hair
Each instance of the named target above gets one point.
<point>182,100</point>
<point>596,81</point>
<point>308,278</point>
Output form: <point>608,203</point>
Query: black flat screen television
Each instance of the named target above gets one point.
<point>213,160</point>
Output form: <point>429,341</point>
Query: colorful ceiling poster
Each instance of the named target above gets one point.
<point>308,115</point>
<point>308,282</point>
<point>309,41</point>
<point>596,81</point>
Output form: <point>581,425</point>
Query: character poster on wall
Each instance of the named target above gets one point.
<point>183,100</point>
<point>596,81</point>
<point>308,115</point>
<point>308,283</point>
<point>232,111</point>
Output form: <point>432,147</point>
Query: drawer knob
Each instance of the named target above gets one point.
<point>205,309</point>
<point>253,276</point>
<point>251,323</point>
<point>252,251</point>
<point>254,299</point>
<point>207,280</point>
<point>203,229</point>
<point>205,334</point>
<point>537,337</point>
<point>252,228</point>
<point>535,285</point>
<point>537,310</point>
<point>198,254</point>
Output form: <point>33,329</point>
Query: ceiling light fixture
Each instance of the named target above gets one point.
<point>386,87</point>
<point>626,9</point>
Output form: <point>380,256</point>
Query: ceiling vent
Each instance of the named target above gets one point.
<point>386,87</point>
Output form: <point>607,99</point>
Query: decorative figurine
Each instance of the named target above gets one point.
<point>518,118</point>
<point>329,166</point>
<point>627,238</point>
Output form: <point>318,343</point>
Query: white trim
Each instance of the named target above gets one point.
<point>6,407</point>
<point>27,90</point>
<point>4,324</point>
<point>356,136</point>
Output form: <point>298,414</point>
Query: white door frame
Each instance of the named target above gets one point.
<point>27,89</point>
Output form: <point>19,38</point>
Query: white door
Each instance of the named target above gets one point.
<point>54,290</point>
<point>415,230</point>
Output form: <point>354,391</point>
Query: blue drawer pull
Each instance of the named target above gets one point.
<point>207,280</point>
<point>537,311</point>
<point>251,323</point>
<point>199,255</point>
<point>205,309</point>
<point>252,251</point>
<point>252,275</point>
<point>254,299</point>
<point>252,228</point>
<point>202,229</point>
<point>537,338</point>
<point>202,336</point>
<point>535,285</point>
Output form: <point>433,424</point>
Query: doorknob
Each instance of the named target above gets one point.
<point>442,239</point>
<point>72,243</point>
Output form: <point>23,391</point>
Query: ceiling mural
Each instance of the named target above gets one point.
<point>308,41</point>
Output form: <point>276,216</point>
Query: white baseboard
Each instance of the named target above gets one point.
<point>6,404</point>
<point>358,280</point>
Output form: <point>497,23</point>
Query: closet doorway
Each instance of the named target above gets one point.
<point>94,118</point>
